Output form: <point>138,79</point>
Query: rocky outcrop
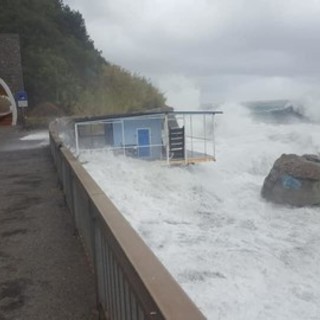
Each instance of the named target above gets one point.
<point>294,180</point>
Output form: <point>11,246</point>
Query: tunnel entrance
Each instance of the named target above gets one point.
<point>8,107</point>
<point>11,77</point>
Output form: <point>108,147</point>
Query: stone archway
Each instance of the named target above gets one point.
<point>8,107</point>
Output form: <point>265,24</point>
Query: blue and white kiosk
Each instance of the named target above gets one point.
<point>177,137</point>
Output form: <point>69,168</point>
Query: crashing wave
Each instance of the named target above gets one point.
<point>277,111</point>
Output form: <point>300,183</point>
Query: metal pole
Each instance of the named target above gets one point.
<point>191,134</point>
<point>123,137</point>
<point>166,129</point>
<point>23,118</point>
<point>184,142</point>
<point>77,138</point>
<point>205,135</point>
<point>213,138</point>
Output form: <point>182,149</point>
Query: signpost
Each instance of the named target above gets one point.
<point>22,99</point>
<point>22,102</point>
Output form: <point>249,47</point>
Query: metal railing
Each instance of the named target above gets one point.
<point>131,282</point>
<point>120,135</point>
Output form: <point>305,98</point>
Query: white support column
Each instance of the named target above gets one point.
<point>185,139</point>
<point>205,134</point>
<point>213,138</point>
<point>191,134</point>
<point>123,138</point>
<point>77,138</point>
<point>166,130</point>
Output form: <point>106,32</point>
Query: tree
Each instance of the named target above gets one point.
<point>61,64</point>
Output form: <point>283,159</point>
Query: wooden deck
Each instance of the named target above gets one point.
<point>196,158</point>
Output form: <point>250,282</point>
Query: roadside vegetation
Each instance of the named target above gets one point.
<point>62,67</point>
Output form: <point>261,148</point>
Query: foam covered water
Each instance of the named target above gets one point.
<point>237,256</point>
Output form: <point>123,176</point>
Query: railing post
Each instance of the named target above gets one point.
<point>166,129</point>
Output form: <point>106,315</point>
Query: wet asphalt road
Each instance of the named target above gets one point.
<point>44,273</point>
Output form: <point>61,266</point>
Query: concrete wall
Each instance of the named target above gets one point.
<point>10,62</point>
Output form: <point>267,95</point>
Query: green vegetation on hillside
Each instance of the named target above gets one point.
<point>61,65</point>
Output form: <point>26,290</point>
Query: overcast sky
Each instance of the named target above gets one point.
<point>199,51</point>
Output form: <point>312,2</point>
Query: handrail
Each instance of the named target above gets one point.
<point>131,282</point>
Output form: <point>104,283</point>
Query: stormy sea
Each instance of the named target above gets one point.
<point>280,111</point>
<point>236,255</point>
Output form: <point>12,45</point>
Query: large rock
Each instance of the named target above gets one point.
<point>294,180</point>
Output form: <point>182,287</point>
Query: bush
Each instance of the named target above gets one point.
<point>61,65</point>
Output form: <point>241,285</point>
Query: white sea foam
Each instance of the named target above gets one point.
<point>39,135</point>
<point>309,106</point>
<point>237,256</point>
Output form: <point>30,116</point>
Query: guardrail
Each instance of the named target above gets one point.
<point>131,282</point>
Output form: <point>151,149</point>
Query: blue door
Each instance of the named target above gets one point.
<point>144,142</point>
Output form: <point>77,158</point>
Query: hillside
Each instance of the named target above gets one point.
<point>61,65</point>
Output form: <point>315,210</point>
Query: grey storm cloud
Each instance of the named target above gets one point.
<point>232,45</point>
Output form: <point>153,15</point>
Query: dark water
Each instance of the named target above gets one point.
<point>277,111</point>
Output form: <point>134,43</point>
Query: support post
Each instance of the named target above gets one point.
<point>205,135</point>
<point>213,138</point>
<point>77,138</point>
<point>166,129</point>
<point>184,142</point>
<point>123,138</point>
